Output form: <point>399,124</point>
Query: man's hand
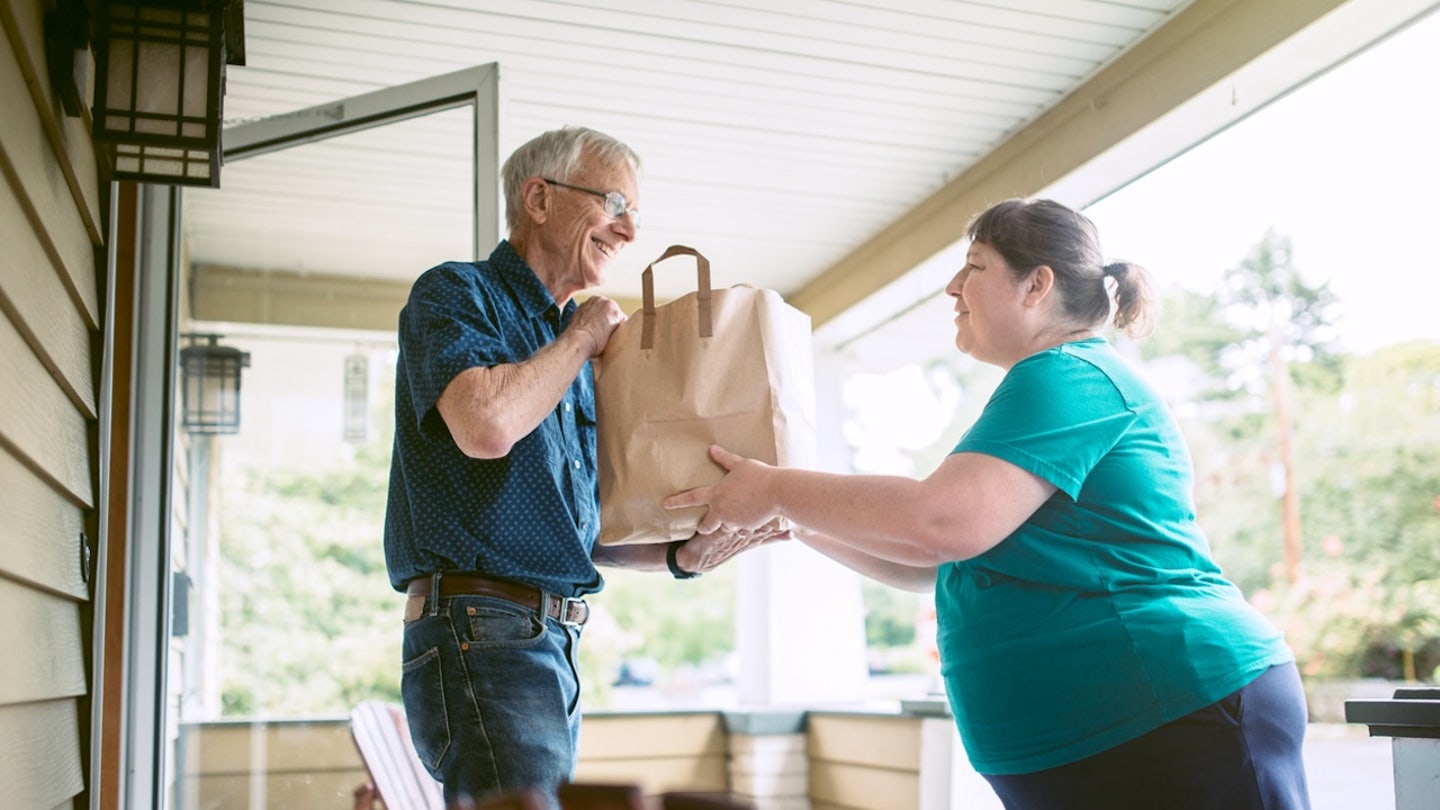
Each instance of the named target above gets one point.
<point>596,319</point>
<point>701,553</point>
<point>706,552</point>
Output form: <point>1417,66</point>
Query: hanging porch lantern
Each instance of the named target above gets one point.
<point>160,79</point>
<point>210,385</point>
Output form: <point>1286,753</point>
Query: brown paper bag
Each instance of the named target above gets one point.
<point>733,367</point>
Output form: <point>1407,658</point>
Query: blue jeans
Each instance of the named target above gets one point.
<point>1241,753</point>
<point>492,695</point>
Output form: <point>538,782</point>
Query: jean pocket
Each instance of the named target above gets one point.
<point>497,624</point>
<point>423,690</point>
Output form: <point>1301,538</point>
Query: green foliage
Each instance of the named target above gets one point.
<point>309,622</point>
<point>1367,457</point>
<point>890,615</point>
<point>1265,298</point>
<point>1193,329</point>
<point>1349,621</point>
<point>676,622</point>
<point>684,625</point>
<point>1365,433</point>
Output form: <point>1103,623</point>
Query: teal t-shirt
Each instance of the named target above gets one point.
<point>1103,616</point>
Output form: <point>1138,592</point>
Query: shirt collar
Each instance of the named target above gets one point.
<point>533,297</point>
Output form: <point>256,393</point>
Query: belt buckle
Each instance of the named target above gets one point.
<point>565,603</point>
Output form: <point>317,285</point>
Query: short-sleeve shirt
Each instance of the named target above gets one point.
<point>531,516</point>
<point>1103,616</point>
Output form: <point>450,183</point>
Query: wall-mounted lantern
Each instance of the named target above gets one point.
<point>160,81</point>
<point>210,384</point>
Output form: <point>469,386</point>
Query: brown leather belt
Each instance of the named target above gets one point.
<point>574,612</point>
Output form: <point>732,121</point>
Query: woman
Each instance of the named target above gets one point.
<point>1093,654</point>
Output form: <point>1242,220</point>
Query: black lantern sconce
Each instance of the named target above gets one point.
<point>210,385</point>
<point>160,81</point>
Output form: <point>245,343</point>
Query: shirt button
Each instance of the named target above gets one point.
<point>567,407</point>
<point>576,463</point>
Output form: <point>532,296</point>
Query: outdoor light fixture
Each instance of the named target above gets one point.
<point>160,80</point>
<point>210,384</point>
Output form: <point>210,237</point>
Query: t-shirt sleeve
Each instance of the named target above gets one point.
<point>449,325</point>
<point>1053,415</point>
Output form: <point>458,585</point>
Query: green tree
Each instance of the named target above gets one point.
<point>1264,329</point>
<point>890,615</point>
<point>309,623</point>
<point>1371,494</point>
<point>1285,321</point>
<point>1365,467</point>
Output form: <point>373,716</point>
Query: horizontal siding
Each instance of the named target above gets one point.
<point>41,765</point>
<point>24,21</point>
<point>50,229</point>
<point>660,752</point>
<point>655,776</point>
<point>41,532</point>
<point>35,300</point>
<point>863,788</point>
<point>312,790</point>
<point>607,737</point>
<point>26,616</point>
<point>44,236</point>
<point>314,764</point>
<point>339,302</point>
<point>30,139</point>
<point>884,742</point>
<point>280,747</point>
<point>864,763</point>
<point>39,422</point>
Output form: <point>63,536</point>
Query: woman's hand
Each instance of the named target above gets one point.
<point>739,502</point>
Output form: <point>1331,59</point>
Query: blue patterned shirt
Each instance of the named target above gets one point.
<point>531,516</point>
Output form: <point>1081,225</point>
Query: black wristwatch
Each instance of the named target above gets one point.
<point>674,565</point>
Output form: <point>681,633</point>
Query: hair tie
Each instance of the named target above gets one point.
<point>1116,270</point>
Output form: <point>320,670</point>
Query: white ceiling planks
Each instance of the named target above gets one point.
<point>777,135</point>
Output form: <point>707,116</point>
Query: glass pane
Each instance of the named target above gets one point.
<point>290,619</point>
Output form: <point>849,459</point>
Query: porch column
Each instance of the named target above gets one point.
<point>1412,720</point>
<point>800,631</point>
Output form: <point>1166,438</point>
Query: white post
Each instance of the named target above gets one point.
<point>801,634</point>
<point>800,637</point>
<point>1417,772</point>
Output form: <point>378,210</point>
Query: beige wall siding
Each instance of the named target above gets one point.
<point>314,764</point>
<point>49,317</point>
<point>864,762</point>
<point>659,752</point>
<point>287,764</point>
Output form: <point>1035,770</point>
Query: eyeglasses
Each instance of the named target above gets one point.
<point>615,203</point>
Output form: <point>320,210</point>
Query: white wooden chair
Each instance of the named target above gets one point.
<point>383,738</point>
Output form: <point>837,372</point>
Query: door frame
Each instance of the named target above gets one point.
<point>144,772</point>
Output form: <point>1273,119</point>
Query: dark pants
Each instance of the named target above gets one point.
<point>492,696</point>
<point>1240,753</point>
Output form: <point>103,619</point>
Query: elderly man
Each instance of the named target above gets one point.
<point>493,507</point>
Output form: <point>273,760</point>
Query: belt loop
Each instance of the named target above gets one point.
<point>434,594</point>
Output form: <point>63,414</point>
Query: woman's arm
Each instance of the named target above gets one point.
<point>968,505</point>
<point>917,578</point>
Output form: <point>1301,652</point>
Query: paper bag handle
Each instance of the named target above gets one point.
<point>647,279</point>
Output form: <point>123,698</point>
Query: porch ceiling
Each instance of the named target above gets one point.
<point>828,149</point>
